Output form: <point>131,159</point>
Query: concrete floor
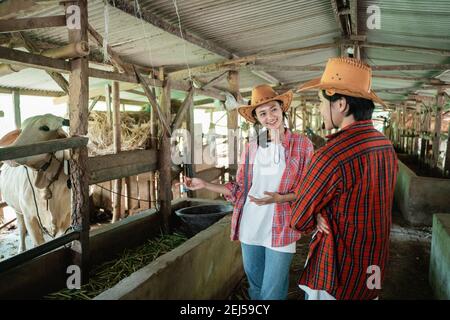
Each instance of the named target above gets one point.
<point>407,273</point>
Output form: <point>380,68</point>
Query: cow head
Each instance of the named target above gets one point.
<point>35,129</point>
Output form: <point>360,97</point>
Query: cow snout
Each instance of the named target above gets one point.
<point>66,122</point>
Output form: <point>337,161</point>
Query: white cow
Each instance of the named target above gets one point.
<point>36,186</point>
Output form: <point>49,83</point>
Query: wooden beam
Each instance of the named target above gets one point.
<point>151,98</point>
<point>121,165</point>
<point>50,146</point>
<point>337,16</point>
<point>57,77</point>
<point>213,81</point>
<point>79,114</point>
<point>133,79</point>
<point>174,29</point>
<point>439,52</point>
<point>183,34</point>
<point>418,79</point>
<point>183,109</point>
<point>12,56</point>
<point>234,64</point>
<point>125,101</point>
<point>410,67</point>
<point>11,25</point>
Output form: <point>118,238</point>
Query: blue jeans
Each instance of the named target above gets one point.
<point>267,272</point>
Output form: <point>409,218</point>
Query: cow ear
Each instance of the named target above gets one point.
<point>10,138</point>
<point>41,180</point>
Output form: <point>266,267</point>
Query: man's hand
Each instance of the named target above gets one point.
<point>322,226</point>
<point>272,197</point>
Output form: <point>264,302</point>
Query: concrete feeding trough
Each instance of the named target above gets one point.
<point>418,198</point>
<point>207,266</point>
<point>439,275</point>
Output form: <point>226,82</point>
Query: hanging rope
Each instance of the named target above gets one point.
<point>184,41</point>
<point>138,15</point>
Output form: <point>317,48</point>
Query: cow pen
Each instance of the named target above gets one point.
<point>139,54</point>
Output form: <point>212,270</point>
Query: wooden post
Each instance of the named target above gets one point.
<point>149,190</point>
<point>397,131</point>
<point>109,120</point>
<point>128,195</point>
<point>305,122</point>
<point>232,123</point>
<point>16,104</point>
<point>190,125</point>
<point>117,188</point>
<point>404,139</point>
<point>78,115</point>
<point>417,125</point>
<point>165,161</point>
<point>437,128</point>
<point>153,145</point>
<point>423,140</point>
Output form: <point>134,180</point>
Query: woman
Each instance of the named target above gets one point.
<point>268,174</point>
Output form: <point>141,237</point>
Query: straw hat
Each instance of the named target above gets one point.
<point>347,76</point>
<point>263,94</point>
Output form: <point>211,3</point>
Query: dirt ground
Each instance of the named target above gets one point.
<point>407,274</point>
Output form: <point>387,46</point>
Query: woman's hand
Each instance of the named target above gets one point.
<point>194,183</point>
<point>272,197</point>
<point>322,225</point>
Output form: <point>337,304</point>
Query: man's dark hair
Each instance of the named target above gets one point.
<point>361,108</point>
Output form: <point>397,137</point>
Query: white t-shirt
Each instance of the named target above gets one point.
<point>255,227</point>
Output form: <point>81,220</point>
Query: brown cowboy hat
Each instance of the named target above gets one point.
<point>263,94</point>
<point>348,76</point>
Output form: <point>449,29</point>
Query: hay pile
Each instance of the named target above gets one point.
<point>135,131</point>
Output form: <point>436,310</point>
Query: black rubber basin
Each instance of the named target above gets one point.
<point>198,218</point>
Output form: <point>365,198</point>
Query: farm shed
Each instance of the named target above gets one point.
<point>173,58</point>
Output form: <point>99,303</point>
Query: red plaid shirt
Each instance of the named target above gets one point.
<point>350,182</point>
<point>298,151</point>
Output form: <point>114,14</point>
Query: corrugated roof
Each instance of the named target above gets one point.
<point>417,23</point>
<point>264,26</point>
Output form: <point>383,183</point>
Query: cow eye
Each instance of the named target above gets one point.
<point>44,128</point>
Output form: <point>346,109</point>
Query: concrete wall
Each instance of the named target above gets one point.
<point>439,276</point>
<point>207,266</point>
<point>418,198</point>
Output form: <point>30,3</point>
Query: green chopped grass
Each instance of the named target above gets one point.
<point>108,274</point>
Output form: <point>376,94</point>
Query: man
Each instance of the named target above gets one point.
<point>347,190</point>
